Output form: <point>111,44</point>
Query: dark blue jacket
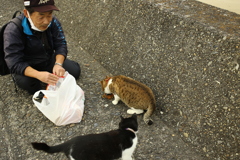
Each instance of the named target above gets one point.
<point>23,48</point>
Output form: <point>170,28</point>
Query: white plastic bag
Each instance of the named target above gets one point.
<point>62,103</point>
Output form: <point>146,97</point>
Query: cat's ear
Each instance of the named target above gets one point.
<point>134,116</point>
<point>108,77</point>
<point>121,117</point>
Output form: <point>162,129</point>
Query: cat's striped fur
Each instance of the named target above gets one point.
<point>134,94</point>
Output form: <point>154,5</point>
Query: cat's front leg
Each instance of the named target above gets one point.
<point>116,99</point>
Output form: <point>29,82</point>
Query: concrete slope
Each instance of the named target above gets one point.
<point>187,52</point>
<point>22,123</point>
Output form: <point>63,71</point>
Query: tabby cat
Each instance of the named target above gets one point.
<point>115,144</point>
<point>134,94</point>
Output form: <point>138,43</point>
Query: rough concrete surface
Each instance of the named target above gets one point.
<point>186,51</point>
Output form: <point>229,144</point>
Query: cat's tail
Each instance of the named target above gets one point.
<point>148,114</point>
<point>46,148</point>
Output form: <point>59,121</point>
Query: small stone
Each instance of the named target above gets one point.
<point>72,125</point>
<point>69,133</point>
<point>185,135</point>
<point>204,149</point>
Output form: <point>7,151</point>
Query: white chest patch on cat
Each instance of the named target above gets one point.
<point>129,151</point>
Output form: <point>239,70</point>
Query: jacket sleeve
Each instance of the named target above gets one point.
<point>59,41</point>
<point>13,48</point>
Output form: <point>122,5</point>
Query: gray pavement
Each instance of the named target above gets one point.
<point>180,133</point>
<point>22,123</point>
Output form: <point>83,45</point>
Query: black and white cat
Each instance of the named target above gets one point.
<point>111,145</point>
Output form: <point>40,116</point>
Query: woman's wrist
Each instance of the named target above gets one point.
<point>60,64</point>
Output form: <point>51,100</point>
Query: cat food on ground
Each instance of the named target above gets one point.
<point>108,96</point>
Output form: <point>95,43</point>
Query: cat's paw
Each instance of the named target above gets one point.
<point>115,102</point>
<point>137,111</point>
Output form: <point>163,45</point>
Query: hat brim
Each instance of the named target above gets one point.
<point>45,8</point>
